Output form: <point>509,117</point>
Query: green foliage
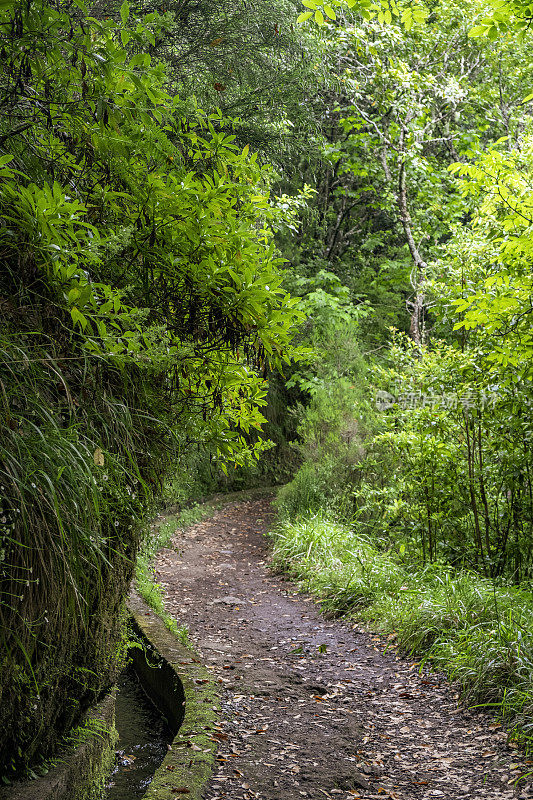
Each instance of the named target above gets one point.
<point>252,62</point>
<point>445,471</point>
<point>87,731</point>
<point>403,103</point>
<point>460,462</point>
<point>200,273</point>
<point>158,535</point>
<point>408,14</point>
<point>494,258</point>
<point>456,621</point>
<point>141,304</point>
<point>335,423</point>
<point>503,17</point>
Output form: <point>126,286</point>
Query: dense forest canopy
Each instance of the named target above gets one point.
<point>216,215</point>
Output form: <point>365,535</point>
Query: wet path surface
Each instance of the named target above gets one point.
<point>311,707</point>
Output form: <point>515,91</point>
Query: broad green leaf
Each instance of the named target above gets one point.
<point>124,11</point>
<point>478,30</point>
<point>78,318</point>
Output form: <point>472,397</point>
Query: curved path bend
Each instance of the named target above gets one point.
<point>313,707</point>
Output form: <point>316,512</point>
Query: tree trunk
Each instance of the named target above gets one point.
<point>418,275</point>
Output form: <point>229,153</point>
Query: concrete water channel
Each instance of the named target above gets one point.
<point>144,737</point>
<point>165,711</point>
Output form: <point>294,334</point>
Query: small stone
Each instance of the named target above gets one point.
<point>228,601</point>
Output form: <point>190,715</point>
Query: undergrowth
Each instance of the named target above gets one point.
<point>159,535</point>
<point>475,631</point>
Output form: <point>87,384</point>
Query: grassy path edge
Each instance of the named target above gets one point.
<point>476,632</point>
<point>189,763</point>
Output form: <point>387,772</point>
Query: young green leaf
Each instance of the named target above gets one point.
<point>124,11</point>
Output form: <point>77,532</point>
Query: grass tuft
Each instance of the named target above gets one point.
<point>456,621</point>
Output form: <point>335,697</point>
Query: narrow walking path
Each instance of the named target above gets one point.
<point>312,707</point>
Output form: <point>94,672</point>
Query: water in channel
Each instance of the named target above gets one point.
<point>143,739</point>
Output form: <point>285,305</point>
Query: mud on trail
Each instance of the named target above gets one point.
<point>312,707</point>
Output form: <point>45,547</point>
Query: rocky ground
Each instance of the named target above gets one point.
<point>313,707</point>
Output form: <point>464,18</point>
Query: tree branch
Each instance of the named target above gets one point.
<point>418,275</point>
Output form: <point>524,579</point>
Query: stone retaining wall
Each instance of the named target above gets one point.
<point>182,689</point>
<point>80,772</point>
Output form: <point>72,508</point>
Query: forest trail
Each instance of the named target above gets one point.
<point>313,707</point>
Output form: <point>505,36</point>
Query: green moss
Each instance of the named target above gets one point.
<point>80,770</point>
<point>183,766</point>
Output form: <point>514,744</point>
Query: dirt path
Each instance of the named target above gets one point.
<point>311,707</point>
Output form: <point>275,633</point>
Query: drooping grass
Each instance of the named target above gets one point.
<point>75,481</point>
<point>477,632</point>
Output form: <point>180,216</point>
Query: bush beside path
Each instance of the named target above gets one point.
<point>312,707</point>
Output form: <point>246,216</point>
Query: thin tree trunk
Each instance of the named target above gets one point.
<point>472,489</point>
<point>418,275</point>
<point>483,492</point>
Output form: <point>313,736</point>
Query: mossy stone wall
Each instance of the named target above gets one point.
<point>71,666</point>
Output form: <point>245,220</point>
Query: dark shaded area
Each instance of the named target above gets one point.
<point>143,738</point>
